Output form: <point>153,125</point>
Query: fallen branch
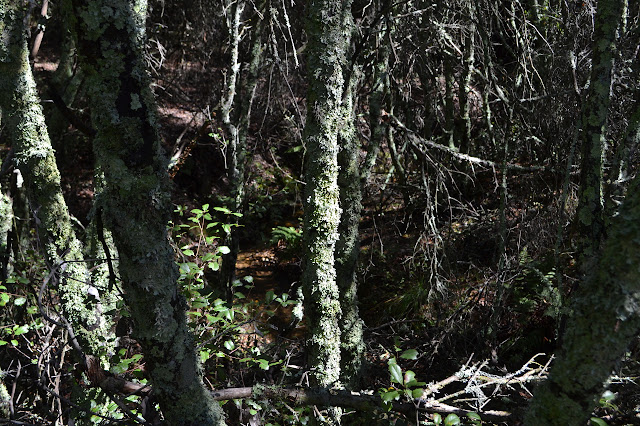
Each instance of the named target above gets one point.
<point>346,399</point>
<point>475,378</point>
<point>418,143</point>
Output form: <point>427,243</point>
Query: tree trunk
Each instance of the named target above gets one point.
<point>605,319</point>
<point>590,213</point>
<point>135,204</point>
<point>328,30</point>
<point>348,245</point>
<point>83,301</point>
<point>238,129</point>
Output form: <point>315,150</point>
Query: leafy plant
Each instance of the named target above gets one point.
<point>403,383</point>
<point>290,236</point>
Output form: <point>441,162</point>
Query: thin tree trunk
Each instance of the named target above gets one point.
<point>238,129</point>
<point>328,29</point>
<point>590,212</point>
<point>135,204</point>
<point>378,99</point>
<point>464,132</point>
<point>449,107</point>
<point>348,245</point>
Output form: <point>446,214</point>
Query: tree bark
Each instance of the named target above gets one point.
<point>35,159</point>
<point>328,30</point>
<point>135,203</point>
<point>348,246</point>
<point>590,214</point>
<point>238,129</point>
<point>83,301</point>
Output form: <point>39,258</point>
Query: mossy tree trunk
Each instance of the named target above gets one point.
<point>328,29</point>
<point>35,159</point>
<point>590,214</point>
<point>348,244</point>
<point>135,203</point>
<point>83,301</point>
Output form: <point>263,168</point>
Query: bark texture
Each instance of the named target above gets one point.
<point>328,29</point>
<point>135,203</point>
<point>348,247</point>
<point>590,213</point>
<point>83,303</point>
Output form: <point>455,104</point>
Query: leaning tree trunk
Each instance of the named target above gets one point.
<point>328,30</point>
<point>135,203</point>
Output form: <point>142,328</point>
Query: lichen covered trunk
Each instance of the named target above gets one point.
<point>82,303</point>
<point>590,213</point>
<point>348,247</point>
<point>135,204</point>
<point>328,30</point>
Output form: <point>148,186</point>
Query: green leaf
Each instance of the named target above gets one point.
<point>3,342</point>
<point>201,303</point>
<point>437,418</point>
<point>474,416</point>
<point>409,376</point>
<point>21,330</point>
<point>263,363</point>
<point>19,301</point>
<point>388,396</point>
<point>188,252</point>
<point>451,420</point>
<point>229,345</point>
<point>417,393</point>
<point>224,250</point>
<point>207,257</point>
<point>409,354</point>
<point>598,422</point>
<point>268,298</point>
<point>14,342</point>
<point>396,371</point>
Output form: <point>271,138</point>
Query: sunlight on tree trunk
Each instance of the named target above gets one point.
<point>136,204</point>
<point>83,303</point>
<point>328,29</point>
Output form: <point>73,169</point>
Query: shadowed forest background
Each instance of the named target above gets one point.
<point>319,212</point>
